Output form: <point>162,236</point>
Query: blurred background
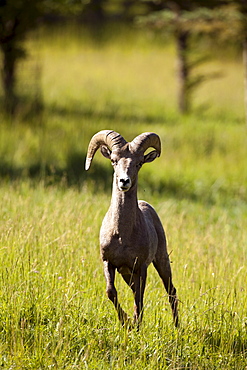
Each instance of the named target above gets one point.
<point>70,68</point>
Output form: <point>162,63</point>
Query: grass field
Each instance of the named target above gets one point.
<point>54,311</point>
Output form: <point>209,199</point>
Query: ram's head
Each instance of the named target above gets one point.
<point>126,157</point>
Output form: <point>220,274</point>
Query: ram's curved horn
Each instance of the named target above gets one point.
<point>110,138</point>
<point>146,140</point>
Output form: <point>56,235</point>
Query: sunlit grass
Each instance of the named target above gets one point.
<point>148,78</point>
<point>54,311</point>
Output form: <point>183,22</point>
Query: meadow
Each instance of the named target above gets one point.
<point>54,313</point>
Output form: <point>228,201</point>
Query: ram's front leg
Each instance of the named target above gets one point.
<point>138,287</point>
<point>109,271</point>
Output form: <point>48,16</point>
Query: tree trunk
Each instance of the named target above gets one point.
<point>94,11</point>
<point>183,71</point>
<point>243,12</point>
<point>245,75</point>
<point>8,78</point>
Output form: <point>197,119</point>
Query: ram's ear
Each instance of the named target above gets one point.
<point>150,157</point>
<point>105,151</point>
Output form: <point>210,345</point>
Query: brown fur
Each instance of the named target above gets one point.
<point>131,235</point>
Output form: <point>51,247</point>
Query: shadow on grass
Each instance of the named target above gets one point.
<point>99,178</point>
<point>196,190</point>
<point>111,112</point>
<point>73,174</point>
<point>32,110</point>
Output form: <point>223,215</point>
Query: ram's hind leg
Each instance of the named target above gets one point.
<point>109,271</point>
<point>162,265</point>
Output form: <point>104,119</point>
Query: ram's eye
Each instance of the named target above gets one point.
<point>114,162</point>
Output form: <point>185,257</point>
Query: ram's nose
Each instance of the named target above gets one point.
<point>124,184</point>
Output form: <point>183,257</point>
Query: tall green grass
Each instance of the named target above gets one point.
<point>54,312</point>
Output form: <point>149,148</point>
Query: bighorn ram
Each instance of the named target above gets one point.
<point>131,235</point>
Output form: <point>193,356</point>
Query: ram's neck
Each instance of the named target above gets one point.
<point>124,210</point>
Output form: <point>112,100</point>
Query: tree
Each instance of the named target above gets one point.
<point>241,32</point>
<point>17,17</point>
<point>186,19</point>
